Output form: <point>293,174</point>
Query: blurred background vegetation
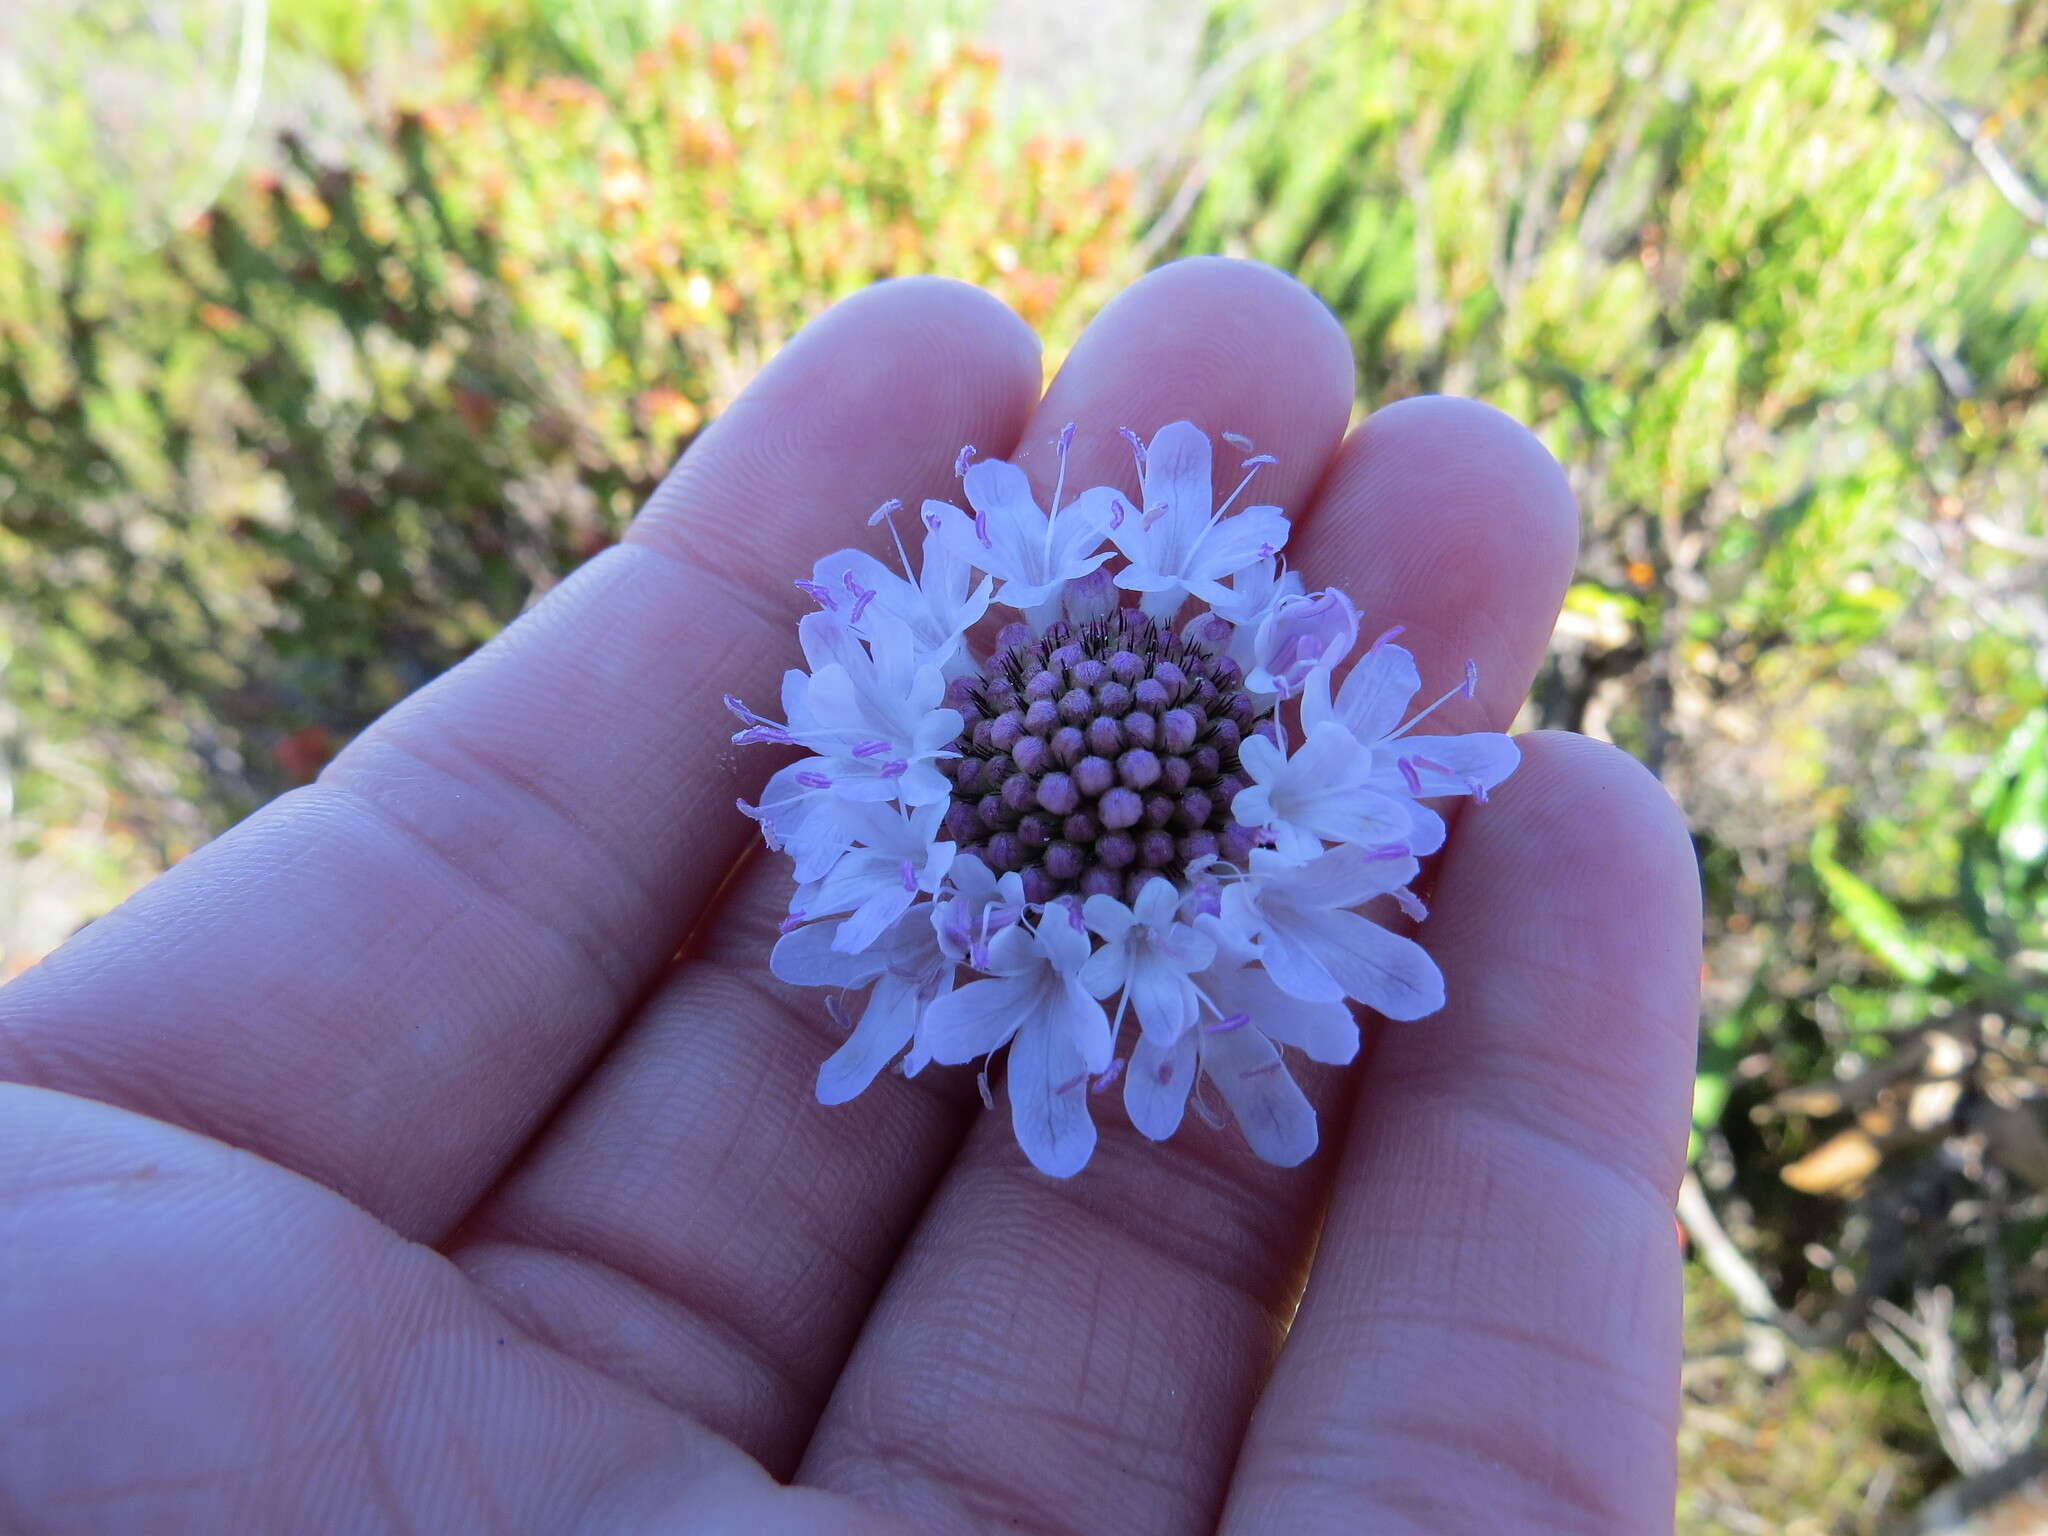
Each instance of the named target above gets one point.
<point>333,331</point>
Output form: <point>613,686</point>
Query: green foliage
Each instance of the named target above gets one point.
<point>261,481</point>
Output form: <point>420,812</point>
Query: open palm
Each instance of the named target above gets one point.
<point>434,1152</point>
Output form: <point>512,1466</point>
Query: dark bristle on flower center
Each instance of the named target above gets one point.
<point>1098,756</point>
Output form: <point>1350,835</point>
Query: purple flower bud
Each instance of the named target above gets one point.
<point>1127,667</point>
<point>1174,774</point>
<point>1006,730</point>
<point>1237,842</point>
<point>1020,792</point>
<point>1141,730</point>
<point>1039,886</point>
<point>1138,768</point>
<point>1158,810</point>
<point>1194,809</point>
<point>1004,853</point>
<point>1121,808</point>
<point>1116,850</point>
<point>1088,672</point>
<point>1206,762</point>
<point>1177,728</point>
<point>1080,828</point>
<point>1156,849</point>
<point>1199,845</point>
<point>1068,745</point>
<point>1104,737</point>
<point>1102,882</point>
<point>1043,716</point>
<point>1113,699</point>
<point>1057,794</point>
<point>1076,706</point>
<point>1043,687</point>
<point>1034,830</point>
<point>1093,775</point>
<point>1064,861</point>
<point>1150,694</point>
<point>1031,755</point>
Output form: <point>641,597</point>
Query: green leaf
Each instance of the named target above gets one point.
<point>1871,916</point>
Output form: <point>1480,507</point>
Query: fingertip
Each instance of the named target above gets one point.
<point>1486,465</point>
<point>870,400</point>
<point>1231,345</point>
<point>1585,805</point>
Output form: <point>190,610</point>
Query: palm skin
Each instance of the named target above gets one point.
<point>434,1152</point>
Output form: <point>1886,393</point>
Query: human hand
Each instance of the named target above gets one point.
<point>382,1166</point>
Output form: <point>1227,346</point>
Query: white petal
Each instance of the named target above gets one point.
<point>1268,1105</point>
<point>1063,936</point>
<point>1108,917</point>
<point>1321,1031</point>
<point>974,1020</point>
<point>872,918</point>
<point>1450,765</point>
<point>885,1028</point>
<point>1163,999</point>
<point>804,957</point>
<point>1380,969</point>
<point>1156,1083</point>
<point>1048,1107</point>
<point>1376,693</point>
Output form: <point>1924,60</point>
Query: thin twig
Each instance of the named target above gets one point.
<point>1969,127</point>
<point>1765,1324</point>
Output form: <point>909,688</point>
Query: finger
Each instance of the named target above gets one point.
<point>1490,1337</point>
<point>384,980</point>
<point>198,1341</point>
<point>695,1220</point>
<point>1050,1350</point>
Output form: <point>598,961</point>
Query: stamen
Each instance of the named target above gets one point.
<point>1456,693</point>
<point>836,1011</point>
<point>909,874</point>
<point>818,594</point>
<point>1386,639</point>
<point>1116,513</point>
<point>1387,851</point>
<point>1225,1025</point>
<point>1477,789</point>
<point>988,1098</point>
<point>1151,517</point>
<point>810,778</point>
<point>1471,679</point>
<point>1059,485</point>
<point>1137,448</point>
<point>1251,468</point>
<point>767,734</point>
<point>1268,1069</point>
<point>894,769</point>
<point>1238,441</point>
<point>1109,1075</point>
<point>961,460</point>
<point>1412,778</point>
<point>886,513</point>
<point>791,923</point>
<point>1071,1084</point>
<point>981,530</point>
<point>868,749</point>
<point>1411,904</point>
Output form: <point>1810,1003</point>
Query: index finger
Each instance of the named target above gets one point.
<point>384,980</point>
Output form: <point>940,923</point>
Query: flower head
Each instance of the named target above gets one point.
<point>1112,822</point>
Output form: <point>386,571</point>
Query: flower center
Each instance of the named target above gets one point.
<point>1098,757</point>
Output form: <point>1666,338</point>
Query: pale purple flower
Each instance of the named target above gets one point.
<point>895,859</point>
<point>1370,704</point>
<point>1324,791</point>
<point>1238,1052</point>
<point>1147,957</point>
<point>1033,554</point>
<point>1298,920</point>
<point>1094,815</point>
<point>1033,1001</point>
<point>908,971</point>
<point>1296,636</point>
<point>1181,543</point>
<point>936,607</point>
